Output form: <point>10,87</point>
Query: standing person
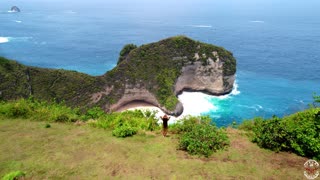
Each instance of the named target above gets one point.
<point>165,120</point>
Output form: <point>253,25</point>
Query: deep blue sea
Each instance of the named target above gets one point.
<point>276,43</point>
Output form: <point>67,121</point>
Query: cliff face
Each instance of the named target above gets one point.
<point>208,79</point>
<point>154,74</point>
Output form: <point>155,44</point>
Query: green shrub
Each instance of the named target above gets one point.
<point>298,133</point>
<point>17,109</point>
<point>152,121</point>
<point>204,139</point>
<point>62,118</point>
<point>186,124</point>
<point>316,100</point>
<point>124,131</point>
<point>125,51</point>
<point>94,113</point>
<point>14,175</point>
<point>47,126</point>
<point>198,136</point>
<point>272,135</point>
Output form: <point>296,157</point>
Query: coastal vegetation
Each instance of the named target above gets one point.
<point>196,134</point>
<point>199,136</point>
<point>19,81</point>
<point>70,151</point>
<point>154,67</point>
<point>52,140</point>
<point>297,133</point>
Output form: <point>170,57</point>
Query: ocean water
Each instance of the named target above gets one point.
<point>276,44</point>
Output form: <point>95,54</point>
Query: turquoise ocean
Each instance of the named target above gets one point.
<point>276,43</point>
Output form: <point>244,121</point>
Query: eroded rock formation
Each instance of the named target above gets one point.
<point>15,9</point>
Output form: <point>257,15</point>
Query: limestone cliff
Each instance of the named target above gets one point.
<point>154,73</point>
<point>208,79</point>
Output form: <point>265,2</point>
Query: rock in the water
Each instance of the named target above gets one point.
<point>15,9</point>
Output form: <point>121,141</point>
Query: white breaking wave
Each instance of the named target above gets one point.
<point>202,26</point>
<point>234,92</point>
<point>19,39</point>
<point>18,21</point>
<point>194,104</point>
<point>257,21</point>
<point>4,39</point>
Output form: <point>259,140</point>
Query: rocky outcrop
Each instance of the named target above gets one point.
<point>208,79</point>
<point>15,9</point>
<point>193,67</point>
<point>140,95</point>
<point>195,77</point>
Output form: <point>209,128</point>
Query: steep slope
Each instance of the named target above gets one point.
<point>19,81</point>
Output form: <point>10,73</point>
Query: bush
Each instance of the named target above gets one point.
<point>36,110</point>
<point>124,131</point>
<point>14,175</point>
<point>152,121</point>
<point>62,118</point>
<point>298,133</point>
<point>94,113</point>
<point>186,124</point>
<point>272,135</point>
<point>137,119</point>
<point>125,51</point>
<point>18,109</point>
<point>198,136</point>
<point>47,126</point>
<point>204,139</point>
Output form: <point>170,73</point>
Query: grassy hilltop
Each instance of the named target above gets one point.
<point>53,141</point>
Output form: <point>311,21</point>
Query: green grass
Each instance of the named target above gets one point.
<point>68,151</point>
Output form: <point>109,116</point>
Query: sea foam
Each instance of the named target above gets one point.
<point>235,91</point>
<point>4,39</point>
<point>202,26</point>
<point>194,104</point>
<point>257,21</point>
